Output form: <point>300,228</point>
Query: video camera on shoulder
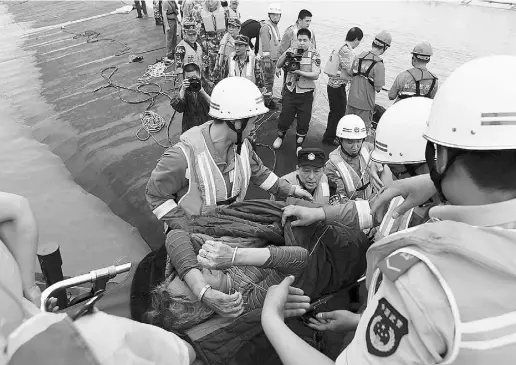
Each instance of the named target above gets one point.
<point>293,60</point>
<point>195,84</point>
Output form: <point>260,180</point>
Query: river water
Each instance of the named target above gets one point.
<point>90,235</point>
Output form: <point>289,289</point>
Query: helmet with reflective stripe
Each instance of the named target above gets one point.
<point>383,39</point>
<point>351,126</point>
<point>423,51</point>
<point>236,98</point>
<point>275,8</point>
<point>399,135</point>
<point>468,117</point>
<point>189,26</point>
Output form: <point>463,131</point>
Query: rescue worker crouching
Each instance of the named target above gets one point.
<point>211,21</point>
<point>212,165</point>
<point>270,39</point>
<point>243,63</point>
<point>348,165</point>
<point>310,175</point>
<point>188,50</point>
<point>227,46</point>
<point>303,68</point>
<point>417,81</point>
<point>400,145</point>
<point>368,79</point>
<point>464,258</point>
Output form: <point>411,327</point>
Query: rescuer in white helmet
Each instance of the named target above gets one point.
<point>213,165</point>
<point>348,165</point>
<point>441,292</point>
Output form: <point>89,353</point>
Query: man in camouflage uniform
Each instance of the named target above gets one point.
<point>210,18</point>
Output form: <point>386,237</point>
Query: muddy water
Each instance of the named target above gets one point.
<point>89,234</point>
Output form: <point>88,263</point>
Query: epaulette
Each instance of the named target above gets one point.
<point>397,264</point>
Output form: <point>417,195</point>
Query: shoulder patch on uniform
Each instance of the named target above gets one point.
<point>385,330</point>
<point>395,265</point>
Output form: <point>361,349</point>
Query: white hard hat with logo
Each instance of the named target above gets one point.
<point>475,109</point>
<point>274,8</point>
<point>351,126</point>
<point>399,135</point>
<point>236,98</point>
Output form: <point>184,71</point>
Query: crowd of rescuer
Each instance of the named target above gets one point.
<point>193,102</point>
<point>441,292</point>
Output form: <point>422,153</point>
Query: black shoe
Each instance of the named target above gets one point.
<point>331,142</point>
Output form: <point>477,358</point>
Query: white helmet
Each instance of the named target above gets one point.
<point>236,98</point>
<point>475,109</point>
<point>274,8</point>
<point>399,135</point>
<point>351,126</point>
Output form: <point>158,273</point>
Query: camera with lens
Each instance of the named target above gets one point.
<point>293,60</point>
<point>195,84</point>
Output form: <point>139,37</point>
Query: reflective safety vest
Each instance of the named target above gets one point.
<point>247,71</point>
<point>207,186</point>
<point>213,21</point>
<point>274,42</point>
<point>185,54</point>
<point>357,187</point>
<point>481,299</point>
<point>359,71</point>
<point>391,225</point>
<point>321,194</point>
<point>408,93</point>
<point>306,65</point>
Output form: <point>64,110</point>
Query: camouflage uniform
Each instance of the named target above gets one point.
<point>210,43</point>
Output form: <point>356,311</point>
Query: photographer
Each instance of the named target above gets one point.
<point>193,101</point>
<point>303,66</point>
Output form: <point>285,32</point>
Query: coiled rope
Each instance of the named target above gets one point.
<point>152,122</point>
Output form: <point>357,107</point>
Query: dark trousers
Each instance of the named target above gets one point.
<point>140,5</point>
<point>338,102</point>
<point>296,105</point>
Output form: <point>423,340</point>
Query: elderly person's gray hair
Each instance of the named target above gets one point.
<point>176,312</point>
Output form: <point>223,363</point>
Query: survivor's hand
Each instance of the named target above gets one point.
<point>415,190</point>
<point>305,216</point>
<point>302,193</point>
<point>336,321</point>
<point>52,305</point>
<point>215,255</point>
<point>224,304</point>
<point>296,72</point>
<point>284,301</point>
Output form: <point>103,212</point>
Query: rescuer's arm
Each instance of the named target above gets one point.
<point>165,181</point>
